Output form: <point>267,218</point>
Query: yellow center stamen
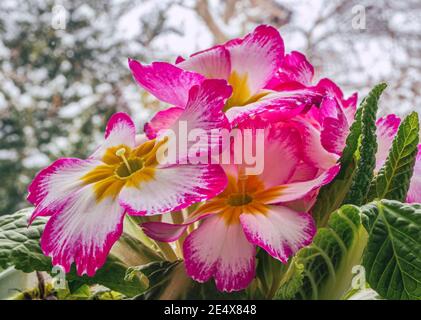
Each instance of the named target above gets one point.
<point>120,153</point>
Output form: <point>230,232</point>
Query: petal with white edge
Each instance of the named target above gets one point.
<point>161,121</point>
<point>220,250</point>
<point>168,232</point>
<point>295,67</point>
<point>281,231</point>
<point>203,117</point>
<point>275,106</point>
<point>214,63</point>
<point>414,192</point>
<point>313,151</point>
<point>51,186</point>
<point>83,232</point>
<point>257,56</point>
<point>173,188</point>
<point>120,130</point>
<point>386,129</point>
<point>296,190</point>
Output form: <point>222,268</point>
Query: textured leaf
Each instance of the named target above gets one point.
<point>19,247</point>
<point>168,280</point>
<point>366,155</point>
<point>393,180</point>
<point>392,258</point>
<point>332,195</point>
<point>328,261</point>
<point>291,282</point>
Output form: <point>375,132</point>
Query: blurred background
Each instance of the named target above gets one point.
<point>63,64</point>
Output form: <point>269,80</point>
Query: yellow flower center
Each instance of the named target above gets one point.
<point>245,195</point>
<point>241,94</point>
<point>123,167</point>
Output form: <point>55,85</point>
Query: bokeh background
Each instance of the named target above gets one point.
<point>63,64</point>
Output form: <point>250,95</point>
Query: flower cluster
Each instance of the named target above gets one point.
<point>246,84</point>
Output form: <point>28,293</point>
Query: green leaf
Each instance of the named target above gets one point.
<point>169,281</point>
<point>291,283</point>
<point>328,261</point>
<point>393,180</point>
<point>332,195</point>
<point>19,247</point>
<point>357,162</point>
<point>392,258</point>
<point>366,154</point>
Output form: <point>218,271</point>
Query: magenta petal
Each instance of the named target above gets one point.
<point>203,113</point>
<point>161,121</point>
<point>294,68</point>
<point>335,126</point>
<point>120,130</point>
<point>314,152</point>
<point>277,106</point>
<point>296,190</point>
<point>386,129</point>
<point>221,251</point>
<point>258,56</point>
<point>281,231</point>
<point>83,232</point>
<point>165,81</point>
<point>414,192</point>
<point>214,63</point>
<point>167,232</point>
<point>120,122</point>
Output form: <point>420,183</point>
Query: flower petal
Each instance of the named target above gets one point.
<point>276,106</point>
<point>220,250</point>
<point>213,63</point>
<point>161,121</point>
<point>335,127</point>
<point>49,189</point>
<point>386,129</point>
<point>120,130</point>
<point>173,188</point>
<point>281,145</point>
<point>414,192</point>
<point>83,232</point>
<point>257,56</point>
<point>313,151</point>
<point>165,81</point>
<point>168,232</point>
<point>296,190</point>
<point>204,117</point>
<point>281,231</point>
<point>294,68</point>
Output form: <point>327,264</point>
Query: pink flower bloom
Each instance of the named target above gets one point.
<point>87,199</point>
<point>265,82</point>
<point>248,65</point>
<point>253,210</point>
<point>387,127</point>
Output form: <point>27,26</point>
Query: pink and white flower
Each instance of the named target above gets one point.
<point>265,82</point>
<point>255,210</point>
<point>248,64</point>
<point>387,128</point>
<point>87,199</point>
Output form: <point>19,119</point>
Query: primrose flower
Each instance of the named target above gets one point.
<point>253,210</point>
<point>248,64</point>
<point>387,128</point>
<point>265,82</point>
<point>87,199</point>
